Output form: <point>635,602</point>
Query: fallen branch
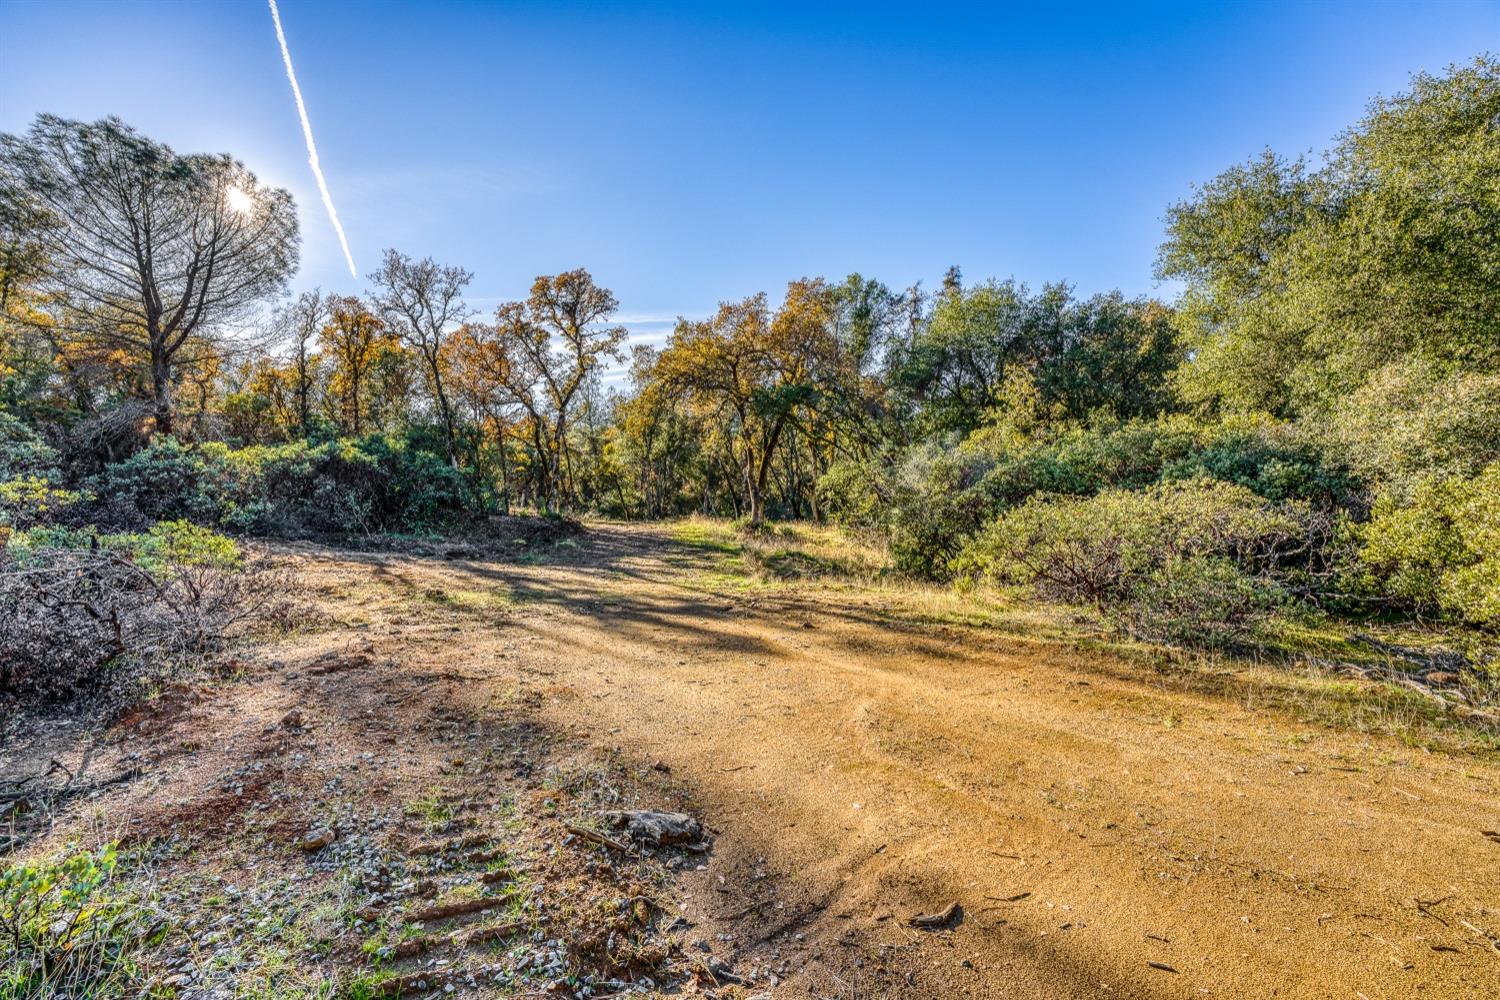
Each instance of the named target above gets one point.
<point>935,919</point>
<point>596,837</point>
<point>460,908</point>
<point>480,935</point>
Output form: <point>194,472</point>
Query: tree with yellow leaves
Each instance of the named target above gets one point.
<point>751,371</point>
<point>543,351</point>
<point>355,339</point>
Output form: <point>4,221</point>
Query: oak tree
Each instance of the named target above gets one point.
<point>422,301</point>
<point>354,338</point>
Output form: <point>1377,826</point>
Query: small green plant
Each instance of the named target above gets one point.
<point>431,808</point>
<point>32,500</point>
<point>369,986</point>
<point>64,932</point>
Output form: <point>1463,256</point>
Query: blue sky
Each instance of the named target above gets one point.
<point>690,153</point>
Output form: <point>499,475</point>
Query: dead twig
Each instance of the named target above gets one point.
<point>1423,904</point>
<point>937,919</point>
<point>745,912</point>
<point>596,837</point>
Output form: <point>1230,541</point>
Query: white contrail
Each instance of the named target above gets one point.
<point>312,149</point>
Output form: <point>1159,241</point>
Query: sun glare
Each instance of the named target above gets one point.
<point>239,201</point>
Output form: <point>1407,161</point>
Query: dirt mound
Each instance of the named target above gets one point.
<point>526,530</point>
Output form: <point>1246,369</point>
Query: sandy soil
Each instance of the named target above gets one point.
<point>1102,834</point>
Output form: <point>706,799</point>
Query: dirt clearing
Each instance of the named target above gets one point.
<point>895,806</point>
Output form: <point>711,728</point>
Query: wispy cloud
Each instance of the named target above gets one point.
<point>312,147</point>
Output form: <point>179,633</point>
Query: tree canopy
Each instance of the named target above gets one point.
<point>146,249</point>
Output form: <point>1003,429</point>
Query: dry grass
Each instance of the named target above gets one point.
<point>1309,668</point>
<point>779,553</point>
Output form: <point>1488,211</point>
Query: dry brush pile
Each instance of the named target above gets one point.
<point>85,614</point>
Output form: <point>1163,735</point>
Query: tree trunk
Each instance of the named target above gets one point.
<point>504,476</point>
<point>559,447</point>
<point>161,391</point>
<point>543,463</point>
<point>758,482</point>
<point>757,507</point>
<point>444,409</point>
<point>304,387</point>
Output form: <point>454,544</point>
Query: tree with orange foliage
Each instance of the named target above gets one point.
<point>540,354</point>
<point>752,370</point>
<point>354,338</point>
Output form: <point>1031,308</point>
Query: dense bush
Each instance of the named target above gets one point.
<point>1439,551</point>
<point>849,493</point>
<point>1204,601</point>
<point>377,483</point>
<point>30,481</point>
<point>1196,559</point>
<point>165,545</point>
<point>1413,421</point>
<point>23,453</point>
<point>943,497</point>
<point>31,500</point>
<point>169,480</point>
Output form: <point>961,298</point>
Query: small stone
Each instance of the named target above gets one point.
<point>317,839</point>
<point>292,719</point>
<point>656,827</point>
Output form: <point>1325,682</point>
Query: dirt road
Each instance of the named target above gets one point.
<point>1103,836</point>
<point>1104,833</point>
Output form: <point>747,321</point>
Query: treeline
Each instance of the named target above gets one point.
<point>1313,422</point>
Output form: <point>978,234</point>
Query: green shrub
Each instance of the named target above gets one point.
<point>1275,460</point>
<point>1188,561</point>
<point>1439,551</point>
<point>943,497</point>
<point>183,543</point>
<point>64,932</point>
<point>167,544</point>
<point>1200,600</point>
<point>32,500</point>
<point>848,493</point>
<point>378,483</point>
<point>1412,421</point>
<point>165,480</point>
<point>23,453</point>
<point>933,510</point>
